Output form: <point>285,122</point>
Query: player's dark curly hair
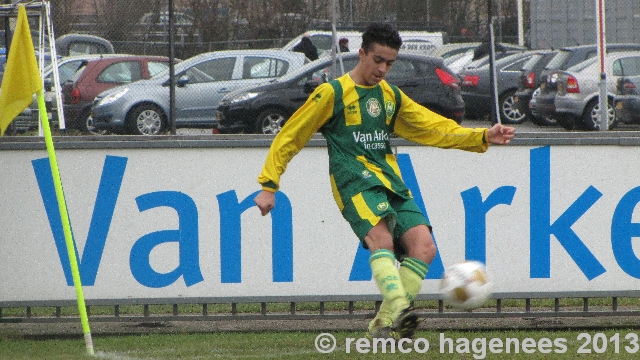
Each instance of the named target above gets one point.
<point>383,34</point>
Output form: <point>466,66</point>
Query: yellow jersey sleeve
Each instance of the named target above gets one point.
<point>423,126</point>
<point>298,130</point>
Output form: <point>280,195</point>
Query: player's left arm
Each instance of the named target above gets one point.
<point>421,125</point>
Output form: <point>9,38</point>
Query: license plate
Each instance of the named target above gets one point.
<point>543,85</point>
<point>516,99</point>
<point>619,105</point>
<point>559,87</point>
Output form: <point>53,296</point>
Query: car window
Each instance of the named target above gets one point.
<point>558,60</point>
<point>323,73</point>
<point>401,69</point>
<point>629,66</point>
<point>255,67</point>
<point>156,67</point>
<point>531,63</point>
<point>79,47</point>
<point>580,66</point>
<point>516,66</point>
<point>66,70</point>
<point>322,42</point>
<point>212,70</point>
<point>121,72</point>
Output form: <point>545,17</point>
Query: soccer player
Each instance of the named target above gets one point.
<point>357,113</point>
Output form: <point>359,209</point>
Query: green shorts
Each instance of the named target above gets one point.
<point>364,210</point>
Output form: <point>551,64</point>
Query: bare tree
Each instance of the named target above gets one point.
<point>61,16</point>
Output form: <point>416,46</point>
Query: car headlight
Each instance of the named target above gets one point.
<point>114,96</point>
<point>243,97</point>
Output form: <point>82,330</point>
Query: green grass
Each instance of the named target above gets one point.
<point>300,345</point>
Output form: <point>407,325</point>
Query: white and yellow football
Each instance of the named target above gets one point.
<point>466,285</point>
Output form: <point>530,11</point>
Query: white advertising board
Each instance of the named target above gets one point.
<point>181,223</point>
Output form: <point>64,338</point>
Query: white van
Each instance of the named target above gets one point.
<point>415,41</point>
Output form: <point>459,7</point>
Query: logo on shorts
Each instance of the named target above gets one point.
<point>383,206</point>
<point>366,174</point>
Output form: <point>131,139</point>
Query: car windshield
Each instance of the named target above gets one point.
<point>582,65</point>
<point>558,60</point>
<point>531,63</point>
<point>321,63</point>
<point>180,67</point>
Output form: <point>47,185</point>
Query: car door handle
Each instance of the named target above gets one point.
<point>411,83</point>
<point>224,90</point>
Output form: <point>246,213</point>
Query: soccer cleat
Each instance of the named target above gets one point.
<point>383,333</point>
<point>406,323</point>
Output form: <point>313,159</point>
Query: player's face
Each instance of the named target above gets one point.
<point>377,63</point>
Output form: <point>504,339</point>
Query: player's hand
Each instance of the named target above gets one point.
<point>500,134</point>
<point>265,200</point>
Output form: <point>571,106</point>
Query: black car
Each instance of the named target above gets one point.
<point>529,80</point>
<point>627,99</point>
<point>264,109</point>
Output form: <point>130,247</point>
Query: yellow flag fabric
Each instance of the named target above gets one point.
<point>21,75</point>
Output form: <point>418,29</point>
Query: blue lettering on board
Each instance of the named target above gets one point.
<point>186,236</point>
<point>540,219</point>
<point>475,212</point>
<point>231,235</point>
<point>108,190</point>
<point>623,231</point>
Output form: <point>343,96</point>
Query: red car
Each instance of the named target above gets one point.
<point>98,75</point>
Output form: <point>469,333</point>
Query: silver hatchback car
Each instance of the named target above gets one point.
<point>142,107</point>
<point>576,101</point>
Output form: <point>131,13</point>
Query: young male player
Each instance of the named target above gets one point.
<point>357,113</point>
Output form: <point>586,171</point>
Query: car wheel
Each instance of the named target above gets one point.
<point>146,119</point>
<point>568,122</point>
<point>590,116</point>
<point>88,124</point>
<point>510,112</point>
<point>271,121</point>
<point>543,121</point>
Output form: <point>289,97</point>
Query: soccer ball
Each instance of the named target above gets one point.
<point>465,285</point>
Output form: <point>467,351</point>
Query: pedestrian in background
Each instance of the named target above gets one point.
<point>343,43</point>
<point>307,48</point>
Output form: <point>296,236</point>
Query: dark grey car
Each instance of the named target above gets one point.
<point>530,79</point>
<point>476,89</point>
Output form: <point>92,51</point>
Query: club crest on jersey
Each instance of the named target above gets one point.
<point>366,174</point>
<point>373,107</point>
<point>389,107</point>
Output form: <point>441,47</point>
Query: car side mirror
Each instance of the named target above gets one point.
<point>182,81</point>
<point>310,85</point>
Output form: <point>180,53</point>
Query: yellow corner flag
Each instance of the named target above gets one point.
<point>21,80</point>
<point>21,76</point>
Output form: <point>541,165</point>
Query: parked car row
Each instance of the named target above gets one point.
<point>265,108</point>
<point>256,91</point>
<point>570,94</point>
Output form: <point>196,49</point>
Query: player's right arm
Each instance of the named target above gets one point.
<point>295,134</point>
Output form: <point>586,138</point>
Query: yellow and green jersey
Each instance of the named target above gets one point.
<point>357,122</point>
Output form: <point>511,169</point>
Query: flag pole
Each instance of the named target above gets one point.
<point>66,226</point>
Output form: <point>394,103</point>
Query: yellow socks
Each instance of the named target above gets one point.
<point>387,278</point>
<point>412,272</point>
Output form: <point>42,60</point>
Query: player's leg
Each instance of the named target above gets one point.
<point>384,270</point>
<point>373,219</point>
